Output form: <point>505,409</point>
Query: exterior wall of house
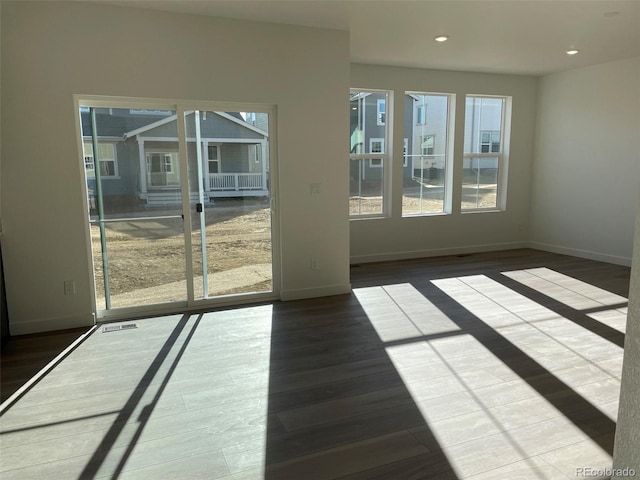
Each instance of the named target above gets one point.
<point>409,121</point>
<point>479,118</point>
<point>216,126</point>
<point>235,158</point>
<point>365,131</point>
<point>435,108</point>
<point>46,47</point>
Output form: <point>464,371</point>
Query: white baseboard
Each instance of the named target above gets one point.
<point>40,325</point>
<point>576,252</point>
<point>436,252</point>
<point>324,291</point>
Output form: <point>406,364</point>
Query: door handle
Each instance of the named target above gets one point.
<point>198,207</point>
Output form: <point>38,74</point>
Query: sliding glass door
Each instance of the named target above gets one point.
<point>179,203</point>
<point>228,162</point>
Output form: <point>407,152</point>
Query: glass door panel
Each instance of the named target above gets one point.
<point>135,206</point>
<point>228,163</point>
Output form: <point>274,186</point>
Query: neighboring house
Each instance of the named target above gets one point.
<point>482,127</point>
<point>426,127</point>
<point>139,161</point>
<point>424,139</point>
<point>425,134</point>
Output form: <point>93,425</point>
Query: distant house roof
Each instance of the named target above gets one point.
<point>235,119</point>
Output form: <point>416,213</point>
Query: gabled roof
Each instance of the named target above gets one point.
<point>173,117</point>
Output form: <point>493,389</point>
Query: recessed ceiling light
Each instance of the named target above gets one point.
<point>442,38</point>
<point>573,51</point>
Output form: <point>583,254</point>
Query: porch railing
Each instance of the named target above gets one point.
<point>236,181</point>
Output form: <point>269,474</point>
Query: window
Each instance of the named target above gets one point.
<point>490,141</point>
<point>427,144</point>
<point>106,157</point>
<point>376,145</point>
<point>427,160</point>
<point>421,115</point>
<point>381,109</point>
<point>213,156</point>
<point>484,158</point>
<point>162,169</point>
<point>368,155</point>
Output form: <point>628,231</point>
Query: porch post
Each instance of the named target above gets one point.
<point>143,167</point>
<point>263,159</point>
<point>205,166</point>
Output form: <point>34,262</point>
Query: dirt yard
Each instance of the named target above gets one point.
<point>146,258</point>
<point>146,254</point>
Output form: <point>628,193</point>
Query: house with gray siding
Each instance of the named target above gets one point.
<point>138,155</point>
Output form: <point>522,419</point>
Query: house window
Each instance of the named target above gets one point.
<point>106,159</point>
<point>425,181</point>
<point>421,118</point>
<point>427,144</point>
<point>368,155</point>
<point>381,116</point>
<point>484,153</point>
<point>162,169</point>
<point>490,141</point>
<point>376,145</point>
<point>213,156</point>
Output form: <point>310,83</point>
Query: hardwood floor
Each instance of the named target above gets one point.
<point>497,365</point>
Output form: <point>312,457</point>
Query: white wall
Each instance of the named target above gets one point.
<point>397,237</point>
<point>52,50</point>
<point>587,162</point>
<point>626,453</point>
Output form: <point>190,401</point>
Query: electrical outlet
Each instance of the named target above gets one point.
<point>315,264</point>
<point>69,287</point>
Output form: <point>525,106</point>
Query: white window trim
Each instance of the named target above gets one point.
<point>385,157</point>
<point>449,140</point>
<point>502,156</point>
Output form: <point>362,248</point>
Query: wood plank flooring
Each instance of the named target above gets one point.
<point>496,365</point>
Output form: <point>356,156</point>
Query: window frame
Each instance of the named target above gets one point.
<point>501,155</point>
<point>447,138</point>
<point>384,157</point>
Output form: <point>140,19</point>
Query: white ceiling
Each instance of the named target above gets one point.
<point>508,36</point>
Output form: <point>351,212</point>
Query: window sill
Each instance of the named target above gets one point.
<point>422,215</point>
<point>369,217</point>
<point>481,210</point>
